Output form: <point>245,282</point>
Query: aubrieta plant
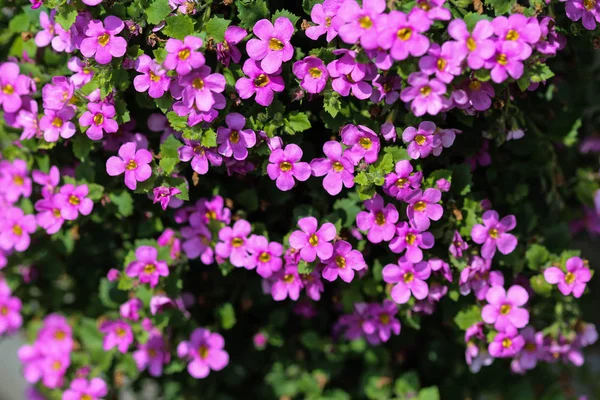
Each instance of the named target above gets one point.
<point>299,199</point>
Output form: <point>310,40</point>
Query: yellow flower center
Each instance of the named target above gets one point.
<point>17,230</point>
<point>425,90</point>
<point>103,39</point>
<point>408,277</point>
<point>264,257</point>
<point>401,182</point>
<point>589,4</point>
<point>261,81</point>
<point>530,347</point>
<point>340,262</point>
<point>384,318</point>
<point>493,233</point>
<point>56,365</point>
<point>154,77</point>
<point>506,343</point>
<point>199,150</point>
<point>198,84</point>
<point>475,85</point>
<point>420,139</point>
<point>121,332</point>
<point>420,206</point>
<point>380,219</point>
<point>57,122</point>
<point>211,215</point>
<point>131,165</point>
<point>387,87</point>
<point>424,5</point>
<point>315,72</point>
<point>313,240</point>
<point>337,166</point>
<point>18,180</point>
<point>512,35</point>
<point>441,64</point>
<point>152,353</point>
<point>505,309</point>
<point>184,54</point>
<point>288,278</point>
<point>569,278</point>
<point>365,22</point>
<point>285,166</point>
<point>458,243</point>
<point>60,335</point>
<point>234,137</point>
<point>501,59</point>
<point>471,44</point>
<point>98,119</point>
<point>86,397</point>
<point>404,34</point>
<point>56,213</point>
<point>410,239</point>
<point>328,22</point>
<point>365,143</point>
<point>8,89</point>
<point>237,242</point>
<point>4,310</point>
<point>203,352</point>
<point>149,269</point>
<point>87,70</point>
<point>74,200</point>
<point>276,44</point>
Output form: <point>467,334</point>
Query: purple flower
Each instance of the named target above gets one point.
<point>349,75</point>
<point>313,285</point>
<point>234,243</point>
<point>412,241</point>
<point>200,156</point>
<point>226,50</point>
<point>493,234</point>
<point>588,11</point>
<point>56,95</point>
<point>44,37</point>
<point>10,314</point>
<point>423,207</point>
<point>49,214</point>
<point>182,55</point>
<point>286,283</point>
<point>443,185</point>
<point>272,47</point>
<point>533,350</point>
<point>259,83</point>
<point>458,245</point>
<point>15,229</point>
<point>425,95</point>
<point>48,181</point>
<point>519,29</point>
<point>573,281</point>
<point>402,34</point>
<point>200,87</point>
<point>284,165</point>
<point>153,79</point>
<point>58,123</point>
<point>13,85</point>
<point>101,41</point>
<point>504,308</point>
<point>550,41</point>
<point>338,168</point>
<point>403,181</point>
<point>478,95</point>
<point>343,262</point>
<point>28,119</point>
<point>99,118</point>
<point>506,344</point>
<point>146,267</point>
<point>443,62</point>
<point>312,242</point>
<point>235,140</point>
<point>361,23</point>
<point>152,355</point>
<point>73,200</point>
<point>312,73</point>
<point>116,334</point>
<point>507,61</point>
<point>135,164</point>
<point>327,19</point>
<point>477,46</point>
<point>385,322</point>
<point>81,388</point>
<point>163,195</point>
<point>379,221</point>
<point>408,278</point>
<point>264,256</point>
<point>205,353</point>
<point>435,9</point>
<point>386,87</point>
<point>14,180</point>
<point>365,143</point>
<point>57,334</point>
<point>422,141</point>
<point>131,309</point>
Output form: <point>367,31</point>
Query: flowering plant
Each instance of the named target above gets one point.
<point>229,197</point>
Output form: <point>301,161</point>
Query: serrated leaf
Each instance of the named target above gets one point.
<point>536,256</point>
<point>157,11</point>
<point>296,122</point>
<point>305,268</point>
<point>124,203</point>
<point>81,147</point>
<point>249,12</point>
<point>209,138</point>
<point>466,318</point>
<point>177,122</point>
<point>95,191</point>
<point>216,27</point>
<point>179,26</point>
<point>66,17</point>
<point>332,103</point>
<point>286,14</point>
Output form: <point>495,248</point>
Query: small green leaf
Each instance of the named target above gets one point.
<point>430,393</point>
<point>169,156</point>
<point>124,203</point>
<point>296,122</point>
<point>305,268</point>
<point>209,138</point>
<point>95,191</point>
<point>66,17</point>
<point>250,11</point>
<point>226,315</point>
<point>179,26</point>
<point>157,11</point>
<point>466,318</point>
<point>81,147</point>
<point>286,14</point>
<point>216,27</point>
<point>332,103</point>
<point>536,256</point>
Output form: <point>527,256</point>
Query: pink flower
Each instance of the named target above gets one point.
<point>442,61</point>
<point>200,88</point>
<point>422,141</point>
<point>524,31</point>
<point>272,47</point>
<point>264,256</point>
<point>163,195</point>
<point>199,155</point>
<point>131,309</point>
<point>205,353</point>
<point>57,94</point>
<point>504,308</point>
<point>403,181</point>
<point>284,165</point>
<point>80,388</point>
<point>365,143</point>
<point>14,180</point>
<point>343,262</point>
<point>327,19</point>
<point>58,123</point>
<point>458,245</point>
<point>15,229</point>
<point>152,355</point>
<point>73,200</point>
<point>506,344</point>
<point>508,60</point>
<point>379,221</point>
<point>361,23</point>
<point>312,242</point>
<point>260,83</point>
<point>146,267</point>
<point>338,168</point>
<point>153,79</point>
<point>102,42</point>
<point>573,281</point>
<point>286,283</point>
<point>235,140</point>
<point>423,207</point>
<point>10,314</point>
<point>424,94</point>
<point>117,334</point>
<point>83,73</point>
<point>493,233</point>
<point>312,73</point>
<point>49,214</point>
<point>135,164</point>
<point>234,243</point>
<point>100,118</point>
<point>227,51</point>
<point>402,34</point>
<point>386,87</point>
<point>412,241</point>
<point>477,46</point>
<point>44,37</point>
<point>13,85</point>
<point>350,76</point>
<point>408,278</point>
<point>182,55</point>
<point>585,10</point>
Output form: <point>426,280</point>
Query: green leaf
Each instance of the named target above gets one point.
<point>124,203</point>
<point>226,315</point>
<point>500,6</point>
<point>177,122</point>
<point>169,156</point>
<point>305,268</point>
<point>157,11</point>
<point>466,318</point>
<point>209,138</point>
<point>66,17</point>
<point>430,393</point>
<point>286,14</point>
<point>81,147</point>
<point>250,11</point>
<point>540,286</point>
<point>407,385</point>
<point>95,191</point>
<point>398,153</point>
<point>332,104</point>
<point>19,23</point>
<point>536,256</point>
<point>471,19</point>
<point>296,122</point>
<point>216,27</point>
<point>179,26</point>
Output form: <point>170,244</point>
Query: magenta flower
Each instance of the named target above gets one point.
<point>408,278</point>
<point>27,118</point>
<point>573,281</point>
<point>200,156</point>
<point>361,23</point>
<point>343,262</point>
<point>264,256</point>
<point>403,181</point>
<point>402,34</point>
<point>411,240</point>
<point>365,143</point>
<point>338,168</point>
<point>13,85</point>
<point>152,355</point>
<point>272,48</point>
<point>423,207</point>
<point>163,195</point>
<point>422,141</point>
<point>57,94</point>
<point>312,73</point>
<point>443,62</point>
<point>327,20</point>
<point>45,36</point>
<point>524,31</point>
<point>588,11</point>
<point>235,140</point>
<point>425,95</point>
<point>349,75</point>
<point>205,353</point>
<point>506,344</point>
<point>477,46</point>
<point>73,200</point>
<point>234,243</point>
<point>312,242</point>
<point>384,321</point>
<point>14,180</point>
<point>504,308</point>
<point>83,73</point>
<point>182,55</point>
<point>56,333</point>
<point>493,234</point>
<point>101,41</point>
<point>313,285</point>
<point>435,9</point>
<point>116,334</point>
<point>131,309</point>
<point>200,87</point>
<point>533,350</point>
<point>10,314</point>
<point>458,245</point>
<point>49,214</point>
<point>286,283</point>
<point>508,60</point>
<point>379,221</point>
<point>284,165</point>
<point>227,51</point>
<point>135,164</point>
<point>100,118</point>
<point>81,388</point>
<point>146,267</point>
<point>153,78</point>
<point>15,229</point>
<point>58,123</point>
<point>386,87</point>
<point>260,83</point>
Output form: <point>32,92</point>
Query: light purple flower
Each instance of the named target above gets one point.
<point>573,281</point>
<point>343,262</point>
<point>226,50</point>
<point>81,388</point>
<point>44,37</point>
<point>131,309</point>
<point>100,118</point>
<point>550,40</point>
<point>435,9</point>
<point>116,334</point>
<point>408,278</point>
<point>14,180</point>
<point>260,83</point>
<point>134,164</point>
<point>504,308</point>
<point>361,24</point>
<point>588,11</point>
<point>164,195</point>
<point>508,60</point>
<point>264,256</point>
<point>201,156</point>
<point>350,76</point>
<point>364,142</point>
<point>27,118</point>
<point>152,355</point>
<point>443,62</point>
<point>234,243</point>
<point>477,46</point>
<point>58,123</point>
<point>493,233</point>
<point>200,87</point>
<point>379,221</point>
<point>423,207</point>
<point>286,283</point>
<point>146,267</point>
<point>182,55</point>
<point>272,48</point>
<point>402,181</point>
<point>424,94</point>
<point>10,314</point>
<point>15,229</point>
<point>198,240</point>
<point>235,140</point>
<point>385,322</point>
<point>57,94</point>
<point>402,34</point>
<point>338,168</point>
<point>422,141</point>
<point>386,87</point>
<point>412,241</point>
<point>13,85</point>
<point>101,41</point>
<point>284,165</point>
<point>458,245</point>
<point>524,31</point>
<point>506,344</point>
<point>49,214</point>
<point>327,20</point>
<point>73,200</point>
<point>312,73</point>
<point>313,285</point>
<point>533,350</point>
<point>205,353</point>
<point>313,242</point>
<point>153,79</point>
<point>443,185</point>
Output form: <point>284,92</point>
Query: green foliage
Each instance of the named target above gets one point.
<point>179,26</point>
